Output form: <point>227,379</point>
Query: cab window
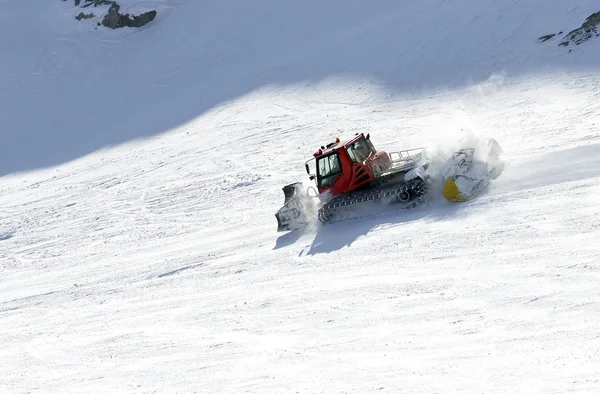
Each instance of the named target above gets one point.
<point>359,151</point>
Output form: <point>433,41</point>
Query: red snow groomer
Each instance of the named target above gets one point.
<point>352,172</point>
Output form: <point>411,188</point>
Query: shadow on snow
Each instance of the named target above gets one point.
<point>335,236</point>
<point>85,90</point>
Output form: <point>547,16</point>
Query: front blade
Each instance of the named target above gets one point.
<point>297,206</point>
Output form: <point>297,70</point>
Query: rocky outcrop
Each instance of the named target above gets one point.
<point>588,29</point>
<point>547,37</point>
<point>113,18</point>
<point>95,3</point>
<point>84,16</point>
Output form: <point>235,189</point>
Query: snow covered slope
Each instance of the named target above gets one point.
<point>142,169</point>
<point>67,88</point>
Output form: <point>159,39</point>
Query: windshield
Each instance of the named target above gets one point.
<point>327,168</point>
<point>359,151</point>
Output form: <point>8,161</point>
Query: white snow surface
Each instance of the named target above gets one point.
<point>140,170</point>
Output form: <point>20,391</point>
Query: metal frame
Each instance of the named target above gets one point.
<point>400,161</point>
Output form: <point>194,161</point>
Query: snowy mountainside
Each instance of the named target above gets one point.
<point>142,170</point>
<point>100,88</point>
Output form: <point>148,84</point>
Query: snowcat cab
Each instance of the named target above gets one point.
<point>345,166</point>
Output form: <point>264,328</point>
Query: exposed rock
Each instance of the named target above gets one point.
<point>546,37</point>
<point>592,20</point>
<point>84,16</point>
<point>115,20</point>
<point>96,3</point>
<point>588,29</point>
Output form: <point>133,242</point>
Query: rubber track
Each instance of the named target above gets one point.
<point>327,213</point>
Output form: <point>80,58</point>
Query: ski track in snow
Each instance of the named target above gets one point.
<point>155,265</point>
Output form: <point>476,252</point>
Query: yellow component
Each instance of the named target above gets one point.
<point>451,192</point>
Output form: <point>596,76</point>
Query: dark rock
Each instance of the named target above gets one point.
<point>96,3</point>
<point>115,20</point>
<point>143,19</point>
<point>546,37</point>
<point>578,36</point>
<point>84,16</point>
<point>588,29</point>
<point>592,20</point>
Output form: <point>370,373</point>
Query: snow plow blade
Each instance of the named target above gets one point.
<point>293,214</point>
